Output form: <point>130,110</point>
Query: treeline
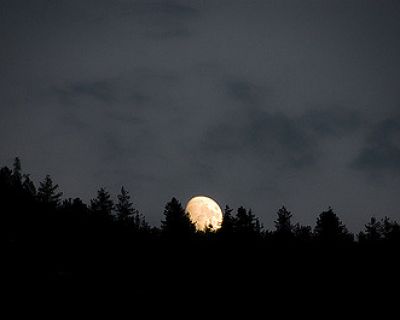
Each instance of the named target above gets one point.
<point>21,199</point>
<point>48,238</point>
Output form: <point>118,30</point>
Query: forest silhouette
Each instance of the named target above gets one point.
<point>66,242</point>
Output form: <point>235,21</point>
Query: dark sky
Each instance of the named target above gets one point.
<point>254,103</point>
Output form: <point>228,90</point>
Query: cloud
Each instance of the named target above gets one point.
<point>381,153</point>
<point>278,139</point>
<point>100,90</point>
<point>259,102</point>
<point>332,121</point>
<point>274,138</point>
<point>243,91</point>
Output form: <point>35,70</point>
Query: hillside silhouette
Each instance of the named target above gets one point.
<point>49,240</point>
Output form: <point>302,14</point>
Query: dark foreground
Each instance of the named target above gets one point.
<point>68,250</point>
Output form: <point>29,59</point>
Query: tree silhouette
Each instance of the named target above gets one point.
<point>258,226</point>
<point>228,222</point>
<point>302,234</point>
<point>124,207</point>
<point>17,172</point>
<point>373,231</point>
<point>102,205</point>
<point>5,180</point>
<point>390,230</point>
<point>329,229</point>
<point>74,205</point>
<point>75,214</point>
<point>176,221</point>
<point>127,213</point>
<point>283,226</point>
<point>48,192</point>
<point>246,223</point>
<point>73,241</point>
<point>28,186</point>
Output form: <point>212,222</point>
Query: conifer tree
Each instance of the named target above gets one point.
<point>102,204</point>
<point>330,229</point>
<point>28,186</point>
<point>246,222</point>
<point>124,206</point>
<point>127,213</point>
<point>228,222</point>
<point>176,221</point>
<point>17,172</point>
<point>283,225</point>
<point>373,230</point>
<point>48,192</point>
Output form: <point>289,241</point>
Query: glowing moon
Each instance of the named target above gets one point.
<point>204,212</point>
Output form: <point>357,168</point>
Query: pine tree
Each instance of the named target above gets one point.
<point>283,225</point>
<point>16,174</point>
<point>258,227</point>
<point>48,192</point>
<point>245,222</point>
<point>75,209</point>
<point>127,213</point>
<point>373,230</point>
<point>177,222</point>
<point>302,234</point>
<point>228,222</point>
<point>28,186</point>
<point>75,204</point>
<point>102,204</point>
<point>390,230</point>
<point>5,177</point>
<point>330,229</point>
<point>124,207</point>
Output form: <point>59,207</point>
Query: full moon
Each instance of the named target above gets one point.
<point>204,212</point>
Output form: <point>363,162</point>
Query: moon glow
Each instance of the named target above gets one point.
<point>204,212</point>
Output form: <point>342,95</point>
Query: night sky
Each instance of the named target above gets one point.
<point>254,103</point>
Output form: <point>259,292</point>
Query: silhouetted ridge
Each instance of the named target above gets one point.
<point>53,240</point>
